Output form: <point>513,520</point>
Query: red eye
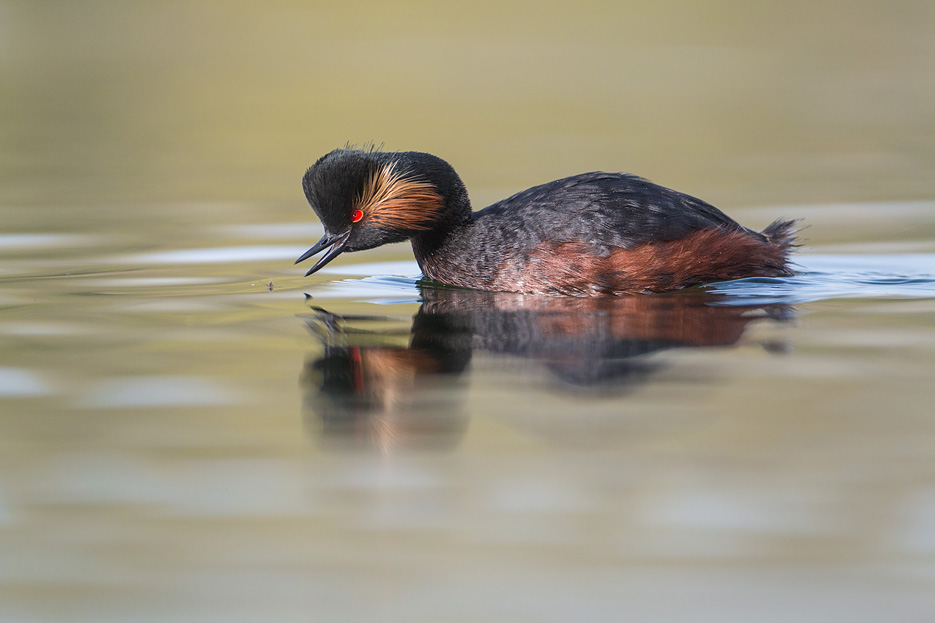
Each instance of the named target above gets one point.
<point>356,215</point>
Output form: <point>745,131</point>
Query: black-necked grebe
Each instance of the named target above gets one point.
<point>587,235</point>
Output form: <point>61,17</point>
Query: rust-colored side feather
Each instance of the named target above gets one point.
<point>702,257</point>
<point>390,200</point>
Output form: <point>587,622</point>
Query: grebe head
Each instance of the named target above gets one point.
<point>368,198</point>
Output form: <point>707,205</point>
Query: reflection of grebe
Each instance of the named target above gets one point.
<point>586,235</point>
<point>383,395</point>
<point>388,395</point>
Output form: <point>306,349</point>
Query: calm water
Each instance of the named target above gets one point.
<point>191,431</point>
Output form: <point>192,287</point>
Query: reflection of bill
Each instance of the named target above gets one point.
<point>364,389</point>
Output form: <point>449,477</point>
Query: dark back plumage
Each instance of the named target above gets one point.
<point>604,210</point>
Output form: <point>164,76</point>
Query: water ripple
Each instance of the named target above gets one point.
<point>836,276</point>
<point>820,277</point>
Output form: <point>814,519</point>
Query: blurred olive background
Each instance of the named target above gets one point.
<point>741,103</point>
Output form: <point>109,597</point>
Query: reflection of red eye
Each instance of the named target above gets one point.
<point>356,215</point>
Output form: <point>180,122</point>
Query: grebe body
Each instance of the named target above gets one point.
<point>586,235</point>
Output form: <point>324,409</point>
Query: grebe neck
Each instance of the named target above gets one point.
<point>451,226</point>
<point>449,235</point>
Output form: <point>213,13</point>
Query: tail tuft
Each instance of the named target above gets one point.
<point>782,234</point>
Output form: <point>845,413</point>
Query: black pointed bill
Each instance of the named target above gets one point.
<point>336,242</point>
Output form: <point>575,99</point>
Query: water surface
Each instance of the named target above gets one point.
<point>177,437</point>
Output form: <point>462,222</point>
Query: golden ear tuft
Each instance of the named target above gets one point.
<point>390,200</point>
